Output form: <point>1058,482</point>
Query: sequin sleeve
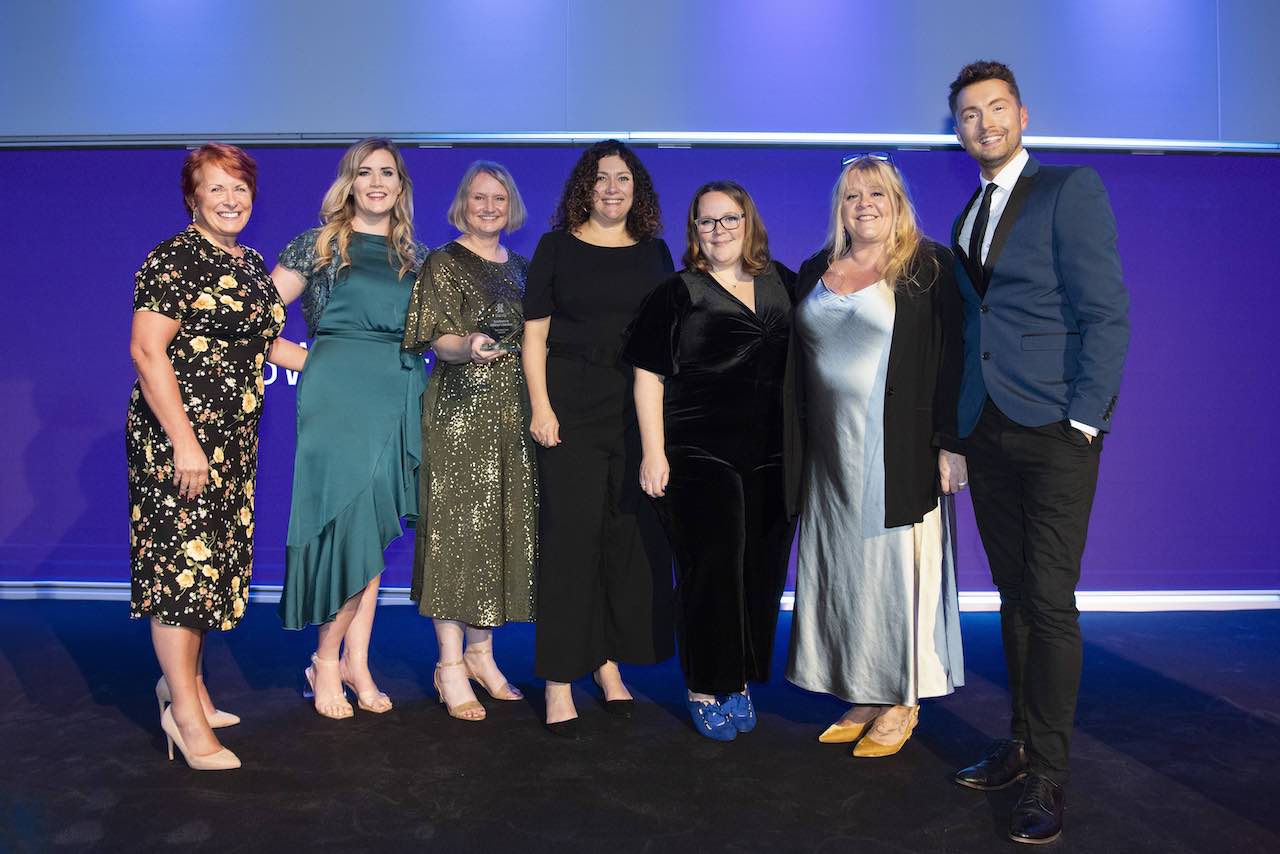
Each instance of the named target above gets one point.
<point>438,305</point>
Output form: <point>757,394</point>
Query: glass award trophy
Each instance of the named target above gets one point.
<point>501,321</point>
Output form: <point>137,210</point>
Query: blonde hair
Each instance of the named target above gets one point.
<point>516,212</point>
<point>903,255</point>
<point>339,208</point>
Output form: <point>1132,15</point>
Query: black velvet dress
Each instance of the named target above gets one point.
<point>724,508</point>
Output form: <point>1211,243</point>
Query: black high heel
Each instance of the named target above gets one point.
<point>570,729</point>
<point>620,708</point>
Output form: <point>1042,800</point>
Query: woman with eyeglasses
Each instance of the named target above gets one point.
<point>874,377</point>
<point>709,347</point>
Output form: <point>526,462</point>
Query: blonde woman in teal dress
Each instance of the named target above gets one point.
<point>359,440</point>
<point>476,545</point>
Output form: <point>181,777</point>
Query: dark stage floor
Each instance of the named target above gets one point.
<point>1177,749</point>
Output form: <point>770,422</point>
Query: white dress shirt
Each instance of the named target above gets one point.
<point>1004,180</point>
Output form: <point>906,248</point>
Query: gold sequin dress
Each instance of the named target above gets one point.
<point>475,550</point>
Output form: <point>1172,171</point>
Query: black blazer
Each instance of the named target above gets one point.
<point>926,354</point>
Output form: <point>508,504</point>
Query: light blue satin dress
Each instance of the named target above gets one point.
<point>876,616</point>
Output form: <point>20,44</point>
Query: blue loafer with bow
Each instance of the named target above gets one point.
<point>711,721</point>
<point>741,711</point>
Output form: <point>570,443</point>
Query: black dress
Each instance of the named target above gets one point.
<point>604,567</point>
<point>724,509</point>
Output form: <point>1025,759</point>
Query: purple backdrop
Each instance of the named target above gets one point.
<point>1186,499</point>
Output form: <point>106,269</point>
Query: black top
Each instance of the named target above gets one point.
<point>922,388</point>
<point>591,292</point>
<point>722,361</point>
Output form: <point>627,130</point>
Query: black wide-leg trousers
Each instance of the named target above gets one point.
<point>604,566</point>
<point>1032,491</point>
<point>728,527</point>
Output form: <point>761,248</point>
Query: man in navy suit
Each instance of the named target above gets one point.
<point>1046,331</point>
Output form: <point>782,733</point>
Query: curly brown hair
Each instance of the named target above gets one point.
<point>644,220</point>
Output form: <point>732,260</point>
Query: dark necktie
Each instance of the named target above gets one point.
<point>980,227</point>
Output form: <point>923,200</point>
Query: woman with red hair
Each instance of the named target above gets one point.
<point>205,319</point>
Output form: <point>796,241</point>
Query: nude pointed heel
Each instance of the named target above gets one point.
<point>218,720</point>
<point>221,760</point>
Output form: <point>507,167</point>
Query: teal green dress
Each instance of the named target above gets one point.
<point>355,474</point>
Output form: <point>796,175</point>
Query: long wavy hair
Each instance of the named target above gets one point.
<point>905,260</point>
<point>755,239</point>
<point>339,208</point>
<point>644,220</point>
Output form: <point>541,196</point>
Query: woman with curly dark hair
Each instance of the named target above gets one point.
<point>604,577</point>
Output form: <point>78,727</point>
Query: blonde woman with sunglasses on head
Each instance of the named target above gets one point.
<point>874,376</point>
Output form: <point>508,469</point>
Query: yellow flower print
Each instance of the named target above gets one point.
<point>236,305</point>
<point>260,386</point>
<point>146,452</point>
<point>199,343</point>
<point>248,489</point>
<point>246,516</point>
<point>208,571</point>
<point>277,313</point>
<point>218,455</point>
<point>215,478</point>
<point>248,402</point>
<point>257,361</point>
<point>235,584</point>
<point>226,625</point>
<point>196,550</point>
<point>227,282</point>
<point>237,607</point>
<point>136,515</point>
<point>204,302</point>
<point>186,579</point>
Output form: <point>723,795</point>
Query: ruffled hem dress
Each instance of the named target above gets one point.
<point>355,479</point>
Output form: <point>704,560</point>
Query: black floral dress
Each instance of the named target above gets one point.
<point>192,559</point>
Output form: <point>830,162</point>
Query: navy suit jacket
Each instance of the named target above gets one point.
<point>1048,340</point>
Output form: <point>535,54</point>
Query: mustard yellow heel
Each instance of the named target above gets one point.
<point>868,746</point>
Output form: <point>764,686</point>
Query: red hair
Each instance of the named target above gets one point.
<point>231,159</point>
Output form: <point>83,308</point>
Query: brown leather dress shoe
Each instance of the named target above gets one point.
<point>1037,817</point>
<point>1005,764</point>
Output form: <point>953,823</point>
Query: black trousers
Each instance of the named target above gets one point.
<point>604,566</point>
<point>727,524</point>
<point>1032,491</point>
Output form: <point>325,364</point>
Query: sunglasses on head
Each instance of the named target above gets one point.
<point>882,156</point>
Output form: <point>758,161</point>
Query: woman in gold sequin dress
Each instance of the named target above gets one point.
<point>475,548</point>
<point>205,319</point>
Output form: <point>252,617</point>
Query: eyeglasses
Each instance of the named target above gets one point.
<point>881,156</point>
<point>706,225</point>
